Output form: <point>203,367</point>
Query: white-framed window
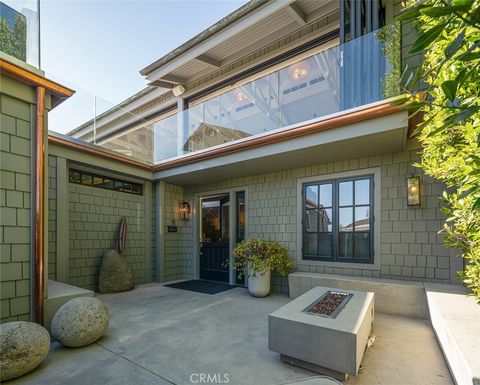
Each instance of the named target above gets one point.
<point>338,219</point>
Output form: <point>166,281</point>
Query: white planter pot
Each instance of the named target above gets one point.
<point>259,285</point>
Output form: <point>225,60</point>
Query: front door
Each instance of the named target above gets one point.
<point>215,238</point>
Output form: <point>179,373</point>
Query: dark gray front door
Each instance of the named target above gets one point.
<point>214,238</point>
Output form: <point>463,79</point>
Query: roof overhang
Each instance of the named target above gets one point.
<point>256,24</point>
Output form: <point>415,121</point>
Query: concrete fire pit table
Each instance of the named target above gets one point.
<point>332,343</point>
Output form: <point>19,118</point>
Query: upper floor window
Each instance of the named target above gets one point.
<point>338,220</point>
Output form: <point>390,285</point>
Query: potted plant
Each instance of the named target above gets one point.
<point>258,258</point>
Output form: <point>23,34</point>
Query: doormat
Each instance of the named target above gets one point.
<point>205,287</point>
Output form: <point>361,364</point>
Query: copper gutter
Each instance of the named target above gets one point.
<point>87,148</point>
<point>39,206</point>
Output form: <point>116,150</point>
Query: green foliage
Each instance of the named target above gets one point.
<point>14,41</point>
<point>389,36</point>
<point>450,131</point>
<point>259,255</point>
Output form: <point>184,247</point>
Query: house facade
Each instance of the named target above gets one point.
<point>275,123</point>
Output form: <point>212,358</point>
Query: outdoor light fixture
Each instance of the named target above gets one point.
<point>184,210</point>
<point>413,191</point>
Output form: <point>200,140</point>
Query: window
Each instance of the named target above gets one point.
<point>338,220</point>
<point>94,180</point>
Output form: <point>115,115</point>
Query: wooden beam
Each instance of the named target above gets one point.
<point>209,60</point>
<point>297,14</point>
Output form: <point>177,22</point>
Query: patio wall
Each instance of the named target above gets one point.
<point>411,248</point>
<point>92,217</point>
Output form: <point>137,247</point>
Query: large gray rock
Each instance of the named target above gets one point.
<point>115,274</point>
<point>80,322</point>
<point>23,346</point>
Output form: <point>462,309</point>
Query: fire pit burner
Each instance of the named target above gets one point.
<point>329,304</point>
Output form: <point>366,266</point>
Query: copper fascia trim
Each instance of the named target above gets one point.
<point>376,111</point>
<point>89,150</point>
<point>35,80</point>
<point>39,207</point>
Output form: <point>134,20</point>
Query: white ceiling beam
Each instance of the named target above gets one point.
<point>209,60</point>
<point>159,83</point>
<point>297,14</point>
<point>173,79</point>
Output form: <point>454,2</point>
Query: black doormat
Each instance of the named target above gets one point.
<point>205,287</point>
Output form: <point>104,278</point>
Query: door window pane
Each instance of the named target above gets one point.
<point>345,221</point>
<point>345,245</point>
<point>311,244</point>
<point>311,196</point>
<point>326,195</point>
<point>362,218</point>
<point>311,220</point>
<point>362,192</point>
<point>345,193</point>
<point>362,245</point>
<point>325,244</point>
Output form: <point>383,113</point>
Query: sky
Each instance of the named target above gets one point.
<point>99,46</point>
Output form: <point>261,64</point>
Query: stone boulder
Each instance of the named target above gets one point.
<point>23,346</point>
<point>115,274</point>
<point>80,321</point>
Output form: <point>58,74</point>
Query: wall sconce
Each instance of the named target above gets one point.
<point>413,191</point>
<point>184,210</point>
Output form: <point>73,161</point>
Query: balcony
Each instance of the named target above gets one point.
<point>307,88</point>
<point>20,31</point>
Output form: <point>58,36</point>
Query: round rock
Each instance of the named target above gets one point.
<point>80,321</point>
<point>115,274</point>
<point>23,346</point>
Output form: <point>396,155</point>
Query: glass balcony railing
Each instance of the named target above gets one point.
<point>362,71</point>
<point>20,30</point>
<point>359,72</point>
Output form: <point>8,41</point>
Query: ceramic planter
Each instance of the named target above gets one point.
<point>259,284</point>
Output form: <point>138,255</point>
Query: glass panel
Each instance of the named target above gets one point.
<point>311,247</point>
<point>326,195</point>
<point>325,244</point>
<point>362,245</point>
<point>311,196</point>
<point>345,245</point>
<point>195,133</point>
<point>108,184</point>
<point>345,221</point>
<point>165,138</point>
<point>98,181</point>
<point>310,88</point>
<point>20,30</point>
<point>345,193</point>
<point>325,220</point>
<point>362,218</point>
<point>311,220</point>
<point>362,192</point>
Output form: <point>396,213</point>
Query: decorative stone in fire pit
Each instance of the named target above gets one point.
<point>325,330</point>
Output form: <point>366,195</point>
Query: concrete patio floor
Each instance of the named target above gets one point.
<point>160,335</point>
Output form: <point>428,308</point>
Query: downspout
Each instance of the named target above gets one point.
<point>39,185</point>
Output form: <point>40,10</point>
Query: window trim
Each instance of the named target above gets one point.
<point>376,217</point>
